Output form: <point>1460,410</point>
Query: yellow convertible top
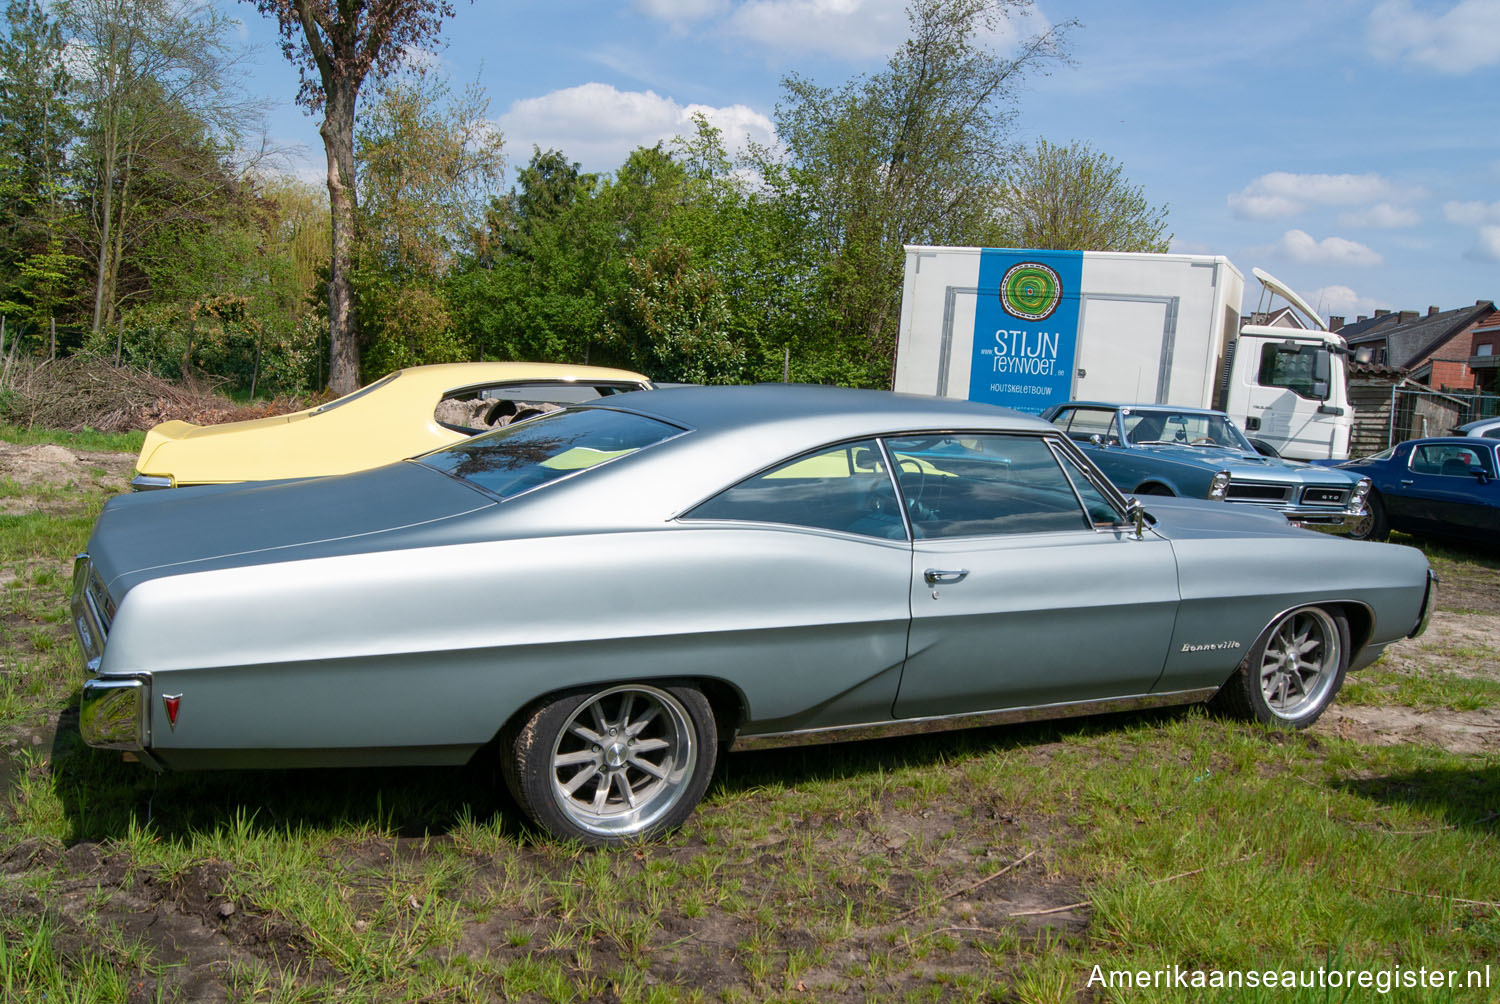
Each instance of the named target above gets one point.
<point>381,422</point>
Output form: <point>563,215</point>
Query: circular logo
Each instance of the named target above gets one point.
<point>1030,291</point>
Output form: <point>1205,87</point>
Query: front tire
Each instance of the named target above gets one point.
<point>607,765</point>
<point>1293,672</point>
<point>1373,525</point>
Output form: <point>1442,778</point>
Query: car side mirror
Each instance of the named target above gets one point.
<point>1479,472</point>
<point>1135,515</point>
<point>1096,440</point>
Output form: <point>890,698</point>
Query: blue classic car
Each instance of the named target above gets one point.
<point>1442,487</point>
<point>1155,449</point>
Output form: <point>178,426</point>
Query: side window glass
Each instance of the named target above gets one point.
<point>1086,422</point>
<point>1297,370</point>
<point>844,488</point>
<point>1448,460</point>
<point>971,485</point>
<point>1101,511</point>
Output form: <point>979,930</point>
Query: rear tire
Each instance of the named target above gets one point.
<point>607,765</point>
<point>1293,672</point>
<point>1373,525</point>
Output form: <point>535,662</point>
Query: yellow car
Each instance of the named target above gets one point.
<point>402,414</point>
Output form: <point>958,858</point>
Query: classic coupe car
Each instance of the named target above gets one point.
<point>403,413</point>
<point>1441,487</point>
<point>616,590</point>
<point>1152,449</point>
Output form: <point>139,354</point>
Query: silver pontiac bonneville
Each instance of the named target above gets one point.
<point>619,590</point>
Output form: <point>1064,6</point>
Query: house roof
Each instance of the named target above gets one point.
<point>1413,340</point>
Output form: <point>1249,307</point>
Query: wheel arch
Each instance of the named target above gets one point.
<point>725,699</point>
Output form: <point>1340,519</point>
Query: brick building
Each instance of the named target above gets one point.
<point>1442,349</point>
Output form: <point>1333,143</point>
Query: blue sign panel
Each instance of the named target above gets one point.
<point>1025,328</point>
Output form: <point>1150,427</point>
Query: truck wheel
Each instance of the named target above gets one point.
<point>1293,672</point>
<point>605,765</point>
<point>1373,525</point>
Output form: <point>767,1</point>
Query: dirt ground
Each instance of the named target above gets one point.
<point>55,467</point>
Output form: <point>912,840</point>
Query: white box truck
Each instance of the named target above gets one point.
<point>1027,329</point>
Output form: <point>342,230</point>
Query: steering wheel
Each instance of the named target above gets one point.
<point>1211,441</point>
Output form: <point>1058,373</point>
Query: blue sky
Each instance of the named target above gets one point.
<point>1350,148</point>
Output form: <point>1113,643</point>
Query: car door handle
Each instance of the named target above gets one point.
<point>934,576</point>
<point>1406,481</point>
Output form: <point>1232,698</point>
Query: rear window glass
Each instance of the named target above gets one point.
<point>518,458</point>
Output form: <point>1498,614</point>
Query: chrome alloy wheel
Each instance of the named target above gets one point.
<point>623,759</point>
<point>1300,664</point>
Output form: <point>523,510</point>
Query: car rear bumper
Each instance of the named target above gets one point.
<point>114,712</point>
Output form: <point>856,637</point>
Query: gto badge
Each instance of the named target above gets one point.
<point>171,702</point>
<point>1210,646</point>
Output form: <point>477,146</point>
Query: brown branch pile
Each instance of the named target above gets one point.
<point>78,392</point>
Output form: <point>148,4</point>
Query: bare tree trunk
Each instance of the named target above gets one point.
<point>338,141</point>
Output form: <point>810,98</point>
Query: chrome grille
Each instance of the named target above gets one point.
<point>1243,491</point>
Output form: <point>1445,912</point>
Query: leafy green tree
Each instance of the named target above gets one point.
<point>912,154</point>
<point>428,163</point>
<point>336,44</point>
<point>1073,198</point>
<point>537,283</point>
<point>37,125</point>
<point>161,113</point>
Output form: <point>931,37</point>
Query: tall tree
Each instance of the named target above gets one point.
<point>156,87</point>
<point>37,125</point>
<point>1072,198</point>
<point>336,44</point>
<point>429,162</point>
<point>911,154</point>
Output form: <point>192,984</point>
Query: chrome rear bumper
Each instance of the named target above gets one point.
<point>115,712</point>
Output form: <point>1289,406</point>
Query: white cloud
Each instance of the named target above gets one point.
<point>677,11</point>
<point>1488,248</point>
<point>1283,193</point>
<point>1472,213</point>
<point>852,29</point>
<point>1304,248</point>
<point>597,125</point>
<point>1343,301</point>
<point>1460,40</point>
<point>1382,215</point>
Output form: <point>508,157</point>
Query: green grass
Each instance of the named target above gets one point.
<point>88,439</point>
<point>1431,691</point>
<point>881,871</point>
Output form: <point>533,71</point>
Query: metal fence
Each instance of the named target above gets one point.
<point>1416,413</point>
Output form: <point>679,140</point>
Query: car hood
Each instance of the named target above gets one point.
<point>144,535</point>
<point>1182,518</point>
<point>1243,465</point>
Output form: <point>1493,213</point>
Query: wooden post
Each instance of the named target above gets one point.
<point>786,364</point>
<point>52,328</point>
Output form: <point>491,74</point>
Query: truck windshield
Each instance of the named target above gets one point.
<point>1144,426</point>
<point>521,457</point>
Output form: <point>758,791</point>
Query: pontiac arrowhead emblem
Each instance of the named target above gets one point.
<point>171,703</point>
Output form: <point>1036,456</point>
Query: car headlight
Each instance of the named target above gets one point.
<point>1218,488</point>
<point>1357,497</point>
